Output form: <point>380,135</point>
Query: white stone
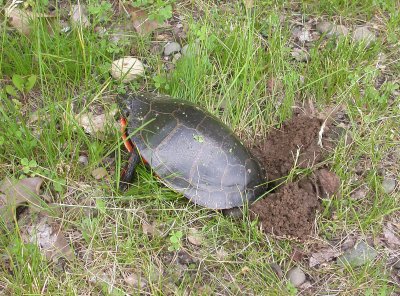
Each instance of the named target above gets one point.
<point>127,68</point>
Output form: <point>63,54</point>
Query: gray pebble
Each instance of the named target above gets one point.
<point>358,256</point>
<point>339,30</point>
<point>296,276</point>
<point>362,34</point>
<point>331,29</point>
<point>171,47</point>
<point>83,159</point>
<point>324,27</point>
<point>388,185</point>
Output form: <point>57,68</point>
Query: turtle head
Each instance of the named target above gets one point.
<point>134,106</point>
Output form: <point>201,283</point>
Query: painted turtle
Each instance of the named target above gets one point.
<point>190,150</point>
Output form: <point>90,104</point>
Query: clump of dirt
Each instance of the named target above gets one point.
<point>295,143</point>
<point>291,209</point>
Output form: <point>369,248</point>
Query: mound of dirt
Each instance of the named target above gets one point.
<point>291,209</point>
<point>295,143</point>
<point>288,212</point>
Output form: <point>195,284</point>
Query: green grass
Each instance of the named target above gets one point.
<point>233,56</point>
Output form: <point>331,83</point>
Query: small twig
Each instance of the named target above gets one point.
<point>321,132</point>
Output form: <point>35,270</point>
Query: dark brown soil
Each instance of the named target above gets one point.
<point>278,150</point>
<point>291,209</point>
<point>288,212</point>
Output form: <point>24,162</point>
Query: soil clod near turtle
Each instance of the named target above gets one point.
<point>294,144</point>
<point>291,209</point>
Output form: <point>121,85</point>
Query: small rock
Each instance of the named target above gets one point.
<point>83,159</point>
<point>359,255</point>
<point>300,55</point>
<point>176,57</point>
<point>99,173</point>
<point>296,276</point>
<point>324,27</point>
<point>184,49</point>
<point>388,185</point>
<point>134,281</point>
<point>331,29</point>
<point>338,30</point>
<point>194,237</point>
<point>362,34</point>
<point>329,182</point>
<point>127,68</point>
<point>360,193</point>
<point>171,47</point>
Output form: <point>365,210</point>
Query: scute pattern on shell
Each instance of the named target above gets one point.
<point>193,152</point>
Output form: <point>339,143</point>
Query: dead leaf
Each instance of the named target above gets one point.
<point>389,232</point>
<point>99,173</point>
<point>245,270</point>
<point>17,192</point>
<point>21,19</point>
<point>43,231</point>
<point>94,124</point>
<point>322,256</point>
<point>194,237</point>
<point>141,22</point>
<point>78,15</point>
<point>150,229</point>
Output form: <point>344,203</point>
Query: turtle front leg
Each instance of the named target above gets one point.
<point>129,170</point>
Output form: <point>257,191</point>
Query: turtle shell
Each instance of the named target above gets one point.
<point>193,152</point>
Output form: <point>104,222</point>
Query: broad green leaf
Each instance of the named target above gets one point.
<point>33,163</point>
<point>30,83</point>
<point>11,90</point>
<point>58,184</point>
<point>18,82</point>
<point>25,162</point>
